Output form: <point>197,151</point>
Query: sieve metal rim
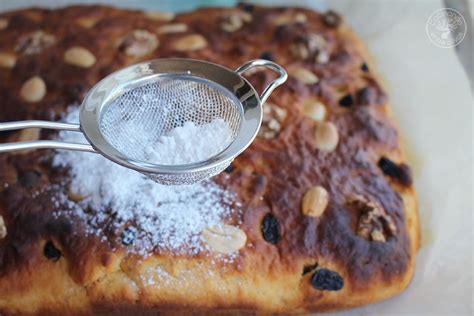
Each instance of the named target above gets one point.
<point>116,84</point>
<point>110,87</point>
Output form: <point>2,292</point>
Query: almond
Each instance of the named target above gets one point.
<point>86,22</point>
<point>303,75</point>
<point>224,238</point>
<point>374,222</point>
<point>160,16</point>
<point>190,43</point>
<point>315,201</point>
<point>327,136</point>
<point>34,42</point>
<point>76,197</point>
<point>27,135</point>
<point>173,28</point>
<point>314,109</point>
<point>79,56</point>
<point>377,235</point>
<point>290,18</point>
<point>232,23</point>
<point>7,60</point>
<point>140,43</point>
<point>235,21</point>
<point>272,120</point>
<point>3,24</point>
<point>33,90</point>
<point>3,228</point>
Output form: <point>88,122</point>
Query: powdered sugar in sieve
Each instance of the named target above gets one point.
<point>172,121</point>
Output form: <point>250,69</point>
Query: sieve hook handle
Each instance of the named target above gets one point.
<point>283,75</point>
<point>38,144</point>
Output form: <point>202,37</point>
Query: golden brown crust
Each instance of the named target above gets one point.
<point>368,234</point>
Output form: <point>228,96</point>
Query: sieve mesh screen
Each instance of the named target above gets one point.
<point>140,116</point>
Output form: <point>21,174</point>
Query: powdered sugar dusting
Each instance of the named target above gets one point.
<point>151,215</point>
<point>189,143</point>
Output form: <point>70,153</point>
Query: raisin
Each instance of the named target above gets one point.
<point>346,101</point>
<point>327,280</point>
<point>309,268</point>
<point>271,228</point>
<point>247,7</point>
<point>332,19</point>
<point>29,179</point>
<point>75,91</point>
<point>405,175</point>
<point>267,56</point>
<point>7,133</point>
<point>282,32</point>
<point>51,252</point>
<point>129,235</point>
<point>229,169</point>
<point>388,167</point>
<point>400,172</point>
<point>364,67</point>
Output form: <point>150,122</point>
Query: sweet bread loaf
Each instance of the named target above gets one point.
<point>318,214</point>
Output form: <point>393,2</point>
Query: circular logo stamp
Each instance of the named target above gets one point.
<point>446,28</point>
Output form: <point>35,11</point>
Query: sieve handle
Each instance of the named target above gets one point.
<point>9,126</point>
<point>283,75</point>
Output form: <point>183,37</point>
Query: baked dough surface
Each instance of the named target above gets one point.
<point>361,249</point>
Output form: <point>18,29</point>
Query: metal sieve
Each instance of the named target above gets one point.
<point>152,98</point>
